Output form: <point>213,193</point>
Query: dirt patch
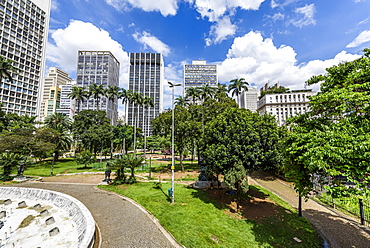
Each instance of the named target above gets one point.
<point>256,207</point>
<point>87,179</point>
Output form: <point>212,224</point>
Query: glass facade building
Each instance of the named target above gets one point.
<point>24,28</point>
<point>146,77</point>
<point>102,68</point>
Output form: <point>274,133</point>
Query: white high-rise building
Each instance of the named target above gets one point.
<point>67,105</point>
<point>249,99</point>
<point>199,73</point>
<point>146,77</point>
<point>51,96</point>
<point>102,68</point>
<point>285,105</point>
<point>24,30</point>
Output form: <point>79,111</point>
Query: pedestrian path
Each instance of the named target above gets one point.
<point>122,223</point>
<point>338,231</point>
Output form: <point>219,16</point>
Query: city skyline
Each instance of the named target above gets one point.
<point>262,41</point>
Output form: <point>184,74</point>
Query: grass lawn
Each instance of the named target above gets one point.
<point>62,166</point>
<point>198,220</point>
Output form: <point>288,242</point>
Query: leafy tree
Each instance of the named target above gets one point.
<point>234,138</point>
<point>6,68</point>
<point>206,92</point>
<point>333,137</point>
<point>119,164</point>
<point>79,94</point>
<point>92,129</point>
<point>123,137</point>
<point>237,86</point>
<point>181,101</point>
<point>193,94</point>
<point>112,92</point>
<point>86,158</point>
<point>58,121</point>
<point>221,92</point>
<point>133,162</point>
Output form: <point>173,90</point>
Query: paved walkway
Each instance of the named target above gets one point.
<point>121,222</point>
<point>338,230</point>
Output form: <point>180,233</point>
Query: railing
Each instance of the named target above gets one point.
<point>355,206</point>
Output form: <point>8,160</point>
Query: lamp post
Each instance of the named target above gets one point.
<point>173,141</point>
<point>52,165</point>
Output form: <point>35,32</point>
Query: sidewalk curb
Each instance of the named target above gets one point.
<point>166,233</point>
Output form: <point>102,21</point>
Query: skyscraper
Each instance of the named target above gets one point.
<point>199,73</point>
<point>23,30</point>
<point>249,99</point>
<point>146,77</point>
<point>52,91</point>
<point>101,68</point>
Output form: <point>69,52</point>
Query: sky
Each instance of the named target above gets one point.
<point>262,41</point>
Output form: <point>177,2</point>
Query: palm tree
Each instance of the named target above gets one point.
<point>237,86</point>
<point>78,94</point>
<point>206,92</point>
<point>97,91</point>
<point>192,93</point>
<point>221,91</point>
<point>111,93</point>
<point>136,99</point>
<point>6,68</point>
<point>182,101</point>
<point>147,103</point>
<point>58,121</point>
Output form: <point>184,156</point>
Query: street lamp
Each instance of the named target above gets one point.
<point>173,141</point>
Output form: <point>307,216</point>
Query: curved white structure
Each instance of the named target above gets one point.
<point>31,217</point>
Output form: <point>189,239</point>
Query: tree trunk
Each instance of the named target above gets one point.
<point>181,158</point>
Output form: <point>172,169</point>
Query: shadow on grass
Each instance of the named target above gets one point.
<point>158,186</point>
<point>272,223</point>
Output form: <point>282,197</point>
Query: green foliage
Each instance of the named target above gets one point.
<point>85,157</point>
<point>333,138</point>
<point>8,161</point>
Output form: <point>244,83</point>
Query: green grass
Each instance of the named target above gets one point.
<point>197,220</point>
<point>62,166</point>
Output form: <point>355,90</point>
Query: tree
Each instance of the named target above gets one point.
<point>8,161</point>
<point>112,92</point>
<point>123,137</point>
<point>332,139</point>
<point>221,92</point>
<point>86,158</point>
<point>233,138</point>
<point>59,122</point>
<point>193,94</point>
<point>96,91</point>
<point>6,68</point>
<point>181,101</point>
<point>205,92</point>
<point>136,99</point>
<point>237,86</point>
<point>79,94</point>
<point>133,162</point>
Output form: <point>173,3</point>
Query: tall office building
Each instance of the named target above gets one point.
<point>199,73</point>
<point>102,68</point>
<point>146,77</point>
<point>284,105</point>
<point>67,106</point>
<point>24,28</point>
<point>52,91</point>
<point>248,99</point>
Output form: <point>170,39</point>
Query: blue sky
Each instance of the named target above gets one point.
<point>284,41</point>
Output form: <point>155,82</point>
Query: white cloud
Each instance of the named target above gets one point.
<point>259,61</point>
<point>173,73</point>
<point>308,12</point>
<point>80,35</point>
<point>220,31</point>
<point>153,42</point>
<point>215,9</point>
<point>54,5</point>
<point>165,7</point>
<point>363,37</point>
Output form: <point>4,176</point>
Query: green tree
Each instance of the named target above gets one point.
<point>85,158</point>
<point>136,99</point>
<point>181,101</point>
<point>333,137</point>
<point>112,93</point>
<point>59,122</point>
<point>193,94</point>
<point>96,91</point>
<point>79,94</point>
<point>206,92</point>
<point>236,87</point>
<point>133,162</point>
<point>9,161</point>
<point>6,68</point>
